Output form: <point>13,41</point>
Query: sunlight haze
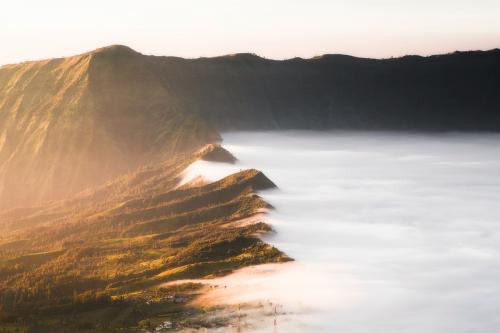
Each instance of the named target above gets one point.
<point>259,166</point>
<point>31,30</point>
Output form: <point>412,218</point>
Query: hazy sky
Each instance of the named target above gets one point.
<point>34,29</point>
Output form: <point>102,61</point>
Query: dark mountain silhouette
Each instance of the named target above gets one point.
<point>459,91</point>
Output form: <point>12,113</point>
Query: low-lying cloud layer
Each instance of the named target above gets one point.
<point>391,232</point>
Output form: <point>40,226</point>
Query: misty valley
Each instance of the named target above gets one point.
<point>237,193</point>
<point>390,231</point>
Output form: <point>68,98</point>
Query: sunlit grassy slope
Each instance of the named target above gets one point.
<point>67,124</point>
<point>128,236</point>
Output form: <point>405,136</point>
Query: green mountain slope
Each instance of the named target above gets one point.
<point>109,248</point>
<point>68,124</point>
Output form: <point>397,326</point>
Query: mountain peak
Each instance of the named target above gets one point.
<point>114,49</point>
<point>247,56</point>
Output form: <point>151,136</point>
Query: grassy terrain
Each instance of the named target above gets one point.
<point>72,123</point>
<point>95,262</point>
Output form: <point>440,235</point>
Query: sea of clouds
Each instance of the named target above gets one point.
<point>391,232</point>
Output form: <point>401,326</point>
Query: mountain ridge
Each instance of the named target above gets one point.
<point>68,124</point>
<point>111,249</point>
<point>73,121</point>
<point>94,147</point>
<point>324,55</point>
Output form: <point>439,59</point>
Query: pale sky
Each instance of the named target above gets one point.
<point>278,29</point>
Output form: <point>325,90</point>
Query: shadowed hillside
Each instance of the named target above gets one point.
<point>458,91</point>
<point>67,124</point>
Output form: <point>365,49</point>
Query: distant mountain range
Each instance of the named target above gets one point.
<point>71,123</point>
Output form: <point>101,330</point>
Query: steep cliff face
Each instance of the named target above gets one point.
<point>67,124</point>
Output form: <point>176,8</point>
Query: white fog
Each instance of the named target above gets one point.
<point>390,232</point>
